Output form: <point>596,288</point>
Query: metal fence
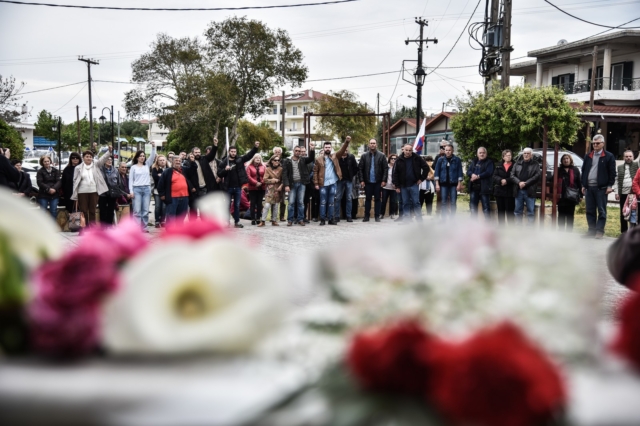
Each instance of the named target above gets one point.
<point>629,84</point>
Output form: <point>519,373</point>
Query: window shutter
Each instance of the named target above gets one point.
<point>572,78</point>
<point>627,75</point>
<point>554,81</point>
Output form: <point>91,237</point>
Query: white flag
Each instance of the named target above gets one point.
<point>419,143</point>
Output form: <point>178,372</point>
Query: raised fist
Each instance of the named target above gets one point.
<point>257,144</point>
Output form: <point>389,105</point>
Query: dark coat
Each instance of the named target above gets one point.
<point>381,167</point>
<point>349,167</point>
<point>287,169</point>
<point>203,162</point>
<point>237,168</point>
<point>633,169</point>
<point>67,181</point>
<point>164,185</point>
<point>484,169</point>
<point>156,174</point>
<point>8,173</point>
<point>499,173</point>
<point>420,169</point>
<point>23,186</point>
<point>564,180</point>
<point>531,184</point>
<point>606,170</point>
<point>455,172</point>
<point>48,181</point>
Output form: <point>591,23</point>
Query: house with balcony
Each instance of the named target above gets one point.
<point>295,106</point>
<point>569,66</point>
<point>437,128</point>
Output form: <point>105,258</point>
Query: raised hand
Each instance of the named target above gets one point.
<point>257,144</point>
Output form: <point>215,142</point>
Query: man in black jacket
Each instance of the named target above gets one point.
<point>235,176</point>
<point>349,168</point>
<point>372,173</point>
<point>480,172</point>
<point>525,174</point>
<point>295,177</point>
<point>8,173</point>
<point>409,171</point>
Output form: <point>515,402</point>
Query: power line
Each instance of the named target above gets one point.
<point>51,88</point>
<point>81,89</point>
<point>73,6</point>
<point>589,22</point>
<point>454,44</point>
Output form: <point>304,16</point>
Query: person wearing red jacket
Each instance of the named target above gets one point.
<point>255,176</point>
<point>635,186</point>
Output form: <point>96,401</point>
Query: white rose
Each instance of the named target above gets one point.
<point>32,235</point>
<point>214,295</point>
<point>215,206</point>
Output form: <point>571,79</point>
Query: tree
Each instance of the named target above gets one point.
<point>44,124</point>
<point>133,128</point>
<point>361,129</point>
<point>11,138</point>
<point>257,59</point>
<point>248,133</point>
<point>513,119</point>
<point>9,97</point>
<point>69,136</point>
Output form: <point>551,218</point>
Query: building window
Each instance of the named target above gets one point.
<point>294,123</point>
<point>275,110</point>
<point>295,110</point>
<point>305,109</point>
<point>281,124</point>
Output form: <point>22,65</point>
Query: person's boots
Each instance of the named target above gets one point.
<point>261,224</point>
<point>273,223</point>
<point>321,222</point>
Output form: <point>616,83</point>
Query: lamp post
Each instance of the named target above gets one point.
<point>58,128</point>
<point>103,119</point>
<point>419,77</point>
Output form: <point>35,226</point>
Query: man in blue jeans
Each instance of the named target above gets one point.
<point>344,188</point>
<point>373,173</point>
<point>326,173</point>
<point>480,173</point>
<point>448,177</point>
<point>408,173</point>
<point>525,174</point>
<point>598,178</point>
<point>235,176</point>
<point>295,177</point>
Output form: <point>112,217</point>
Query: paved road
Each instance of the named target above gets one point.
<point>285,243</point>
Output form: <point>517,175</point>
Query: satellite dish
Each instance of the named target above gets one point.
<point>561,42</point>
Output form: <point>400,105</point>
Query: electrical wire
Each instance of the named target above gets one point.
<point>73,6</point>
<point>81,89</point>
<point>394,90</point>
<point>51,88</point>
<point>588,22</point>
<point>458,39</point>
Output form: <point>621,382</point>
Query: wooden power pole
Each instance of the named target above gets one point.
<point>78,126</point>
<point>506,45</point>
<point>89,63</point>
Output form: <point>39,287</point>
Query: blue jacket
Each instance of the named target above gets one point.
<point>606,170</point>
<point>484,169</point>
<point>455,174</point>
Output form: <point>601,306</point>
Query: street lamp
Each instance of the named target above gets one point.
<point>103,119</point>
<point>419,76</point>
<point>57,127</point>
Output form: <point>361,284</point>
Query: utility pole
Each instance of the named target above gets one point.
<point>78,126</point>
<point>283,110</point>
<point>420,73</point>
<point>506,45</point>
<point>89,63</point>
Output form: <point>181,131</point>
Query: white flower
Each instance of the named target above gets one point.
<point>215,205</point>
<point>32,235</point>
<point>194,296</point>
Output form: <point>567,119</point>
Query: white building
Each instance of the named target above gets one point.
<point>295,105</point>
<point>157,132</point>
<point>26,131</point>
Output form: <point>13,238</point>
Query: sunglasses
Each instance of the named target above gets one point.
<point>597,143</point>
<point>275,161</point>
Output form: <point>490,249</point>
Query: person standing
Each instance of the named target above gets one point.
<point>157,168</point>
<point>295,176</point>
<point>326,173</point>
<point>626,172</point>
<point>107,200</point>
<point>48,178</point>
<point>569,180</point>
<point>235,176</point>
<point>525,174</point>
<point>174,189</point>
<point>389,191</point>
<point>255,175</point>
<point>311,195</point>
<point>344,187</point>
<point>373,173</point>
<point>448,177</point>
<point>23,187</point>
<point>277,151</point>
<point>8,173</point>
<point>427,187</point>
<point>409,172</point>
<point>274,187</point>
<point>504,189</point>
<point>480,173</point>
<point>123,181</point>
<point>88,184</point>
<point>140,186</point>
<point>67,181</point>
<point>598,178</point>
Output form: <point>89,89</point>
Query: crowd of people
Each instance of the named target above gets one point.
<point>325,187</point>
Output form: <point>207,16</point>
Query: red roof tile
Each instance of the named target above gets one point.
<point>607,109</point>
<point>299,96</point>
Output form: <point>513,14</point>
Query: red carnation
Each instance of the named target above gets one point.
<point>392,359</point>
<point>627,342</point>
<point>496,378</point>
<point>122,242</point>
<point>197,229</point>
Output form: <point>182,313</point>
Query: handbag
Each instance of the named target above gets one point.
<point>76,220</point>
<point>572,194</point>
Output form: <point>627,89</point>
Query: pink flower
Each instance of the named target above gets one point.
<point>80,279</point>
<point>122,242</point>
<point>196,229</point>
<point>59,333</point>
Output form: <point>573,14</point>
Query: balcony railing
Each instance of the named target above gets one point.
<point>629,84</point>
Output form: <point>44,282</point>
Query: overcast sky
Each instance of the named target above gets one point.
<point>41,44</point>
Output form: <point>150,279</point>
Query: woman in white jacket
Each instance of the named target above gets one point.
<point>88,184</point>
